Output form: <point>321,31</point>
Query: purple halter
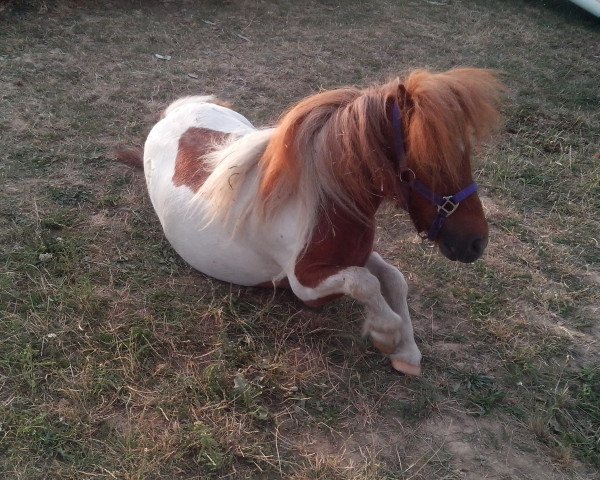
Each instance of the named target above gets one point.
<point>446,206</point>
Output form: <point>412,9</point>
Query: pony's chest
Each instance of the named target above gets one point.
<point>338,241</point>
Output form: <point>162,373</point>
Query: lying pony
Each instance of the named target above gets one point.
<point>294,206</point>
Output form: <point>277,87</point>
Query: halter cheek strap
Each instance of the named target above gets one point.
<point>446,206</point>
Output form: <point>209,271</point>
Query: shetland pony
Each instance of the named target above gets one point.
<point>294,205</point>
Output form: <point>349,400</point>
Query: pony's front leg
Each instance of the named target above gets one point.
<point>402,349</point>
<point>385,326</point>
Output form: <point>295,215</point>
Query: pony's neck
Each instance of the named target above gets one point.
<point>336,146</point>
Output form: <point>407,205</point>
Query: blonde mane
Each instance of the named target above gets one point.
<point>231,164</point>
<point>337,147</point>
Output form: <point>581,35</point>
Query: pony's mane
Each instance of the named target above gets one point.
<point>342,140</point>
<point>333,146</point>
<point>337,147</point>
<point>449,112</point>
<point>230,165</point>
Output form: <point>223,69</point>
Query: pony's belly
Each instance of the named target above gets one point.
<point>216,255</point>
<point>213,249</point>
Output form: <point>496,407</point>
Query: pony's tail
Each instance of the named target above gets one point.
<point>131,156</point>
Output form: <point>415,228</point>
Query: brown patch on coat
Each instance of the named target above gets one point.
<point>193,145</point>
<point>339,241</point>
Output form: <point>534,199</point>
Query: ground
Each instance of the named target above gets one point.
<point>118,361</point>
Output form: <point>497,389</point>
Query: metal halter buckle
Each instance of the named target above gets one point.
<point>448,207</point>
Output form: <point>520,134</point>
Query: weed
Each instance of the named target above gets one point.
<point>70,196</point>
<point>206,449</point>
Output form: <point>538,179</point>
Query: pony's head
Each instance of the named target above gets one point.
<point>341,147</point>
<point>442,116</point>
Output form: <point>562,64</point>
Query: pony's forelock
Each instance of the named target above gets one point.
<point>446,112</point>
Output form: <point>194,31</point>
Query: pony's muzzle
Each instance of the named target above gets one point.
<point>477,247</point>
<point>465,251</point>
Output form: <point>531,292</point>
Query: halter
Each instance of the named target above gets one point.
<point>446,206</point>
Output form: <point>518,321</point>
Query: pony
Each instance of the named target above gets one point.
<point>294,205</point>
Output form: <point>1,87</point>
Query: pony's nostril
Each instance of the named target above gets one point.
<point>477,246</point>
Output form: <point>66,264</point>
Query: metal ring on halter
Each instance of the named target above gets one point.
<point>412,177</point>
<point>449,206</point>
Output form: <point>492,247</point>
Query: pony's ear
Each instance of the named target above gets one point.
<point>404,98</point>
<point>400,95</point>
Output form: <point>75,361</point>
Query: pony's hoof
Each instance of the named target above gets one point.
<point>406,368</point>
<point>383,348</point>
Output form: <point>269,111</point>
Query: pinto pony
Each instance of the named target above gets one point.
<point>295,205</point>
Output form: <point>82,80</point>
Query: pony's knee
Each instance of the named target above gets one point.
<point>354,281</point>
<point>328,289</point>
<point>395,279</point>
<point>378,266</point>
<point>367,288</point>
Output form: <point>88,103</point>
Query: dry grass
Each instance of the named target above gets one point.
<point>118,361</point>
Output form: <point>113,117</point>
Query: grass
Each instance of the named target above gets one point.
<point>119,361</point>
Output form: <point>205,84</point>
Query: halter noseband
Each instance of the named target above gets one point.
<point>446,206</point>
